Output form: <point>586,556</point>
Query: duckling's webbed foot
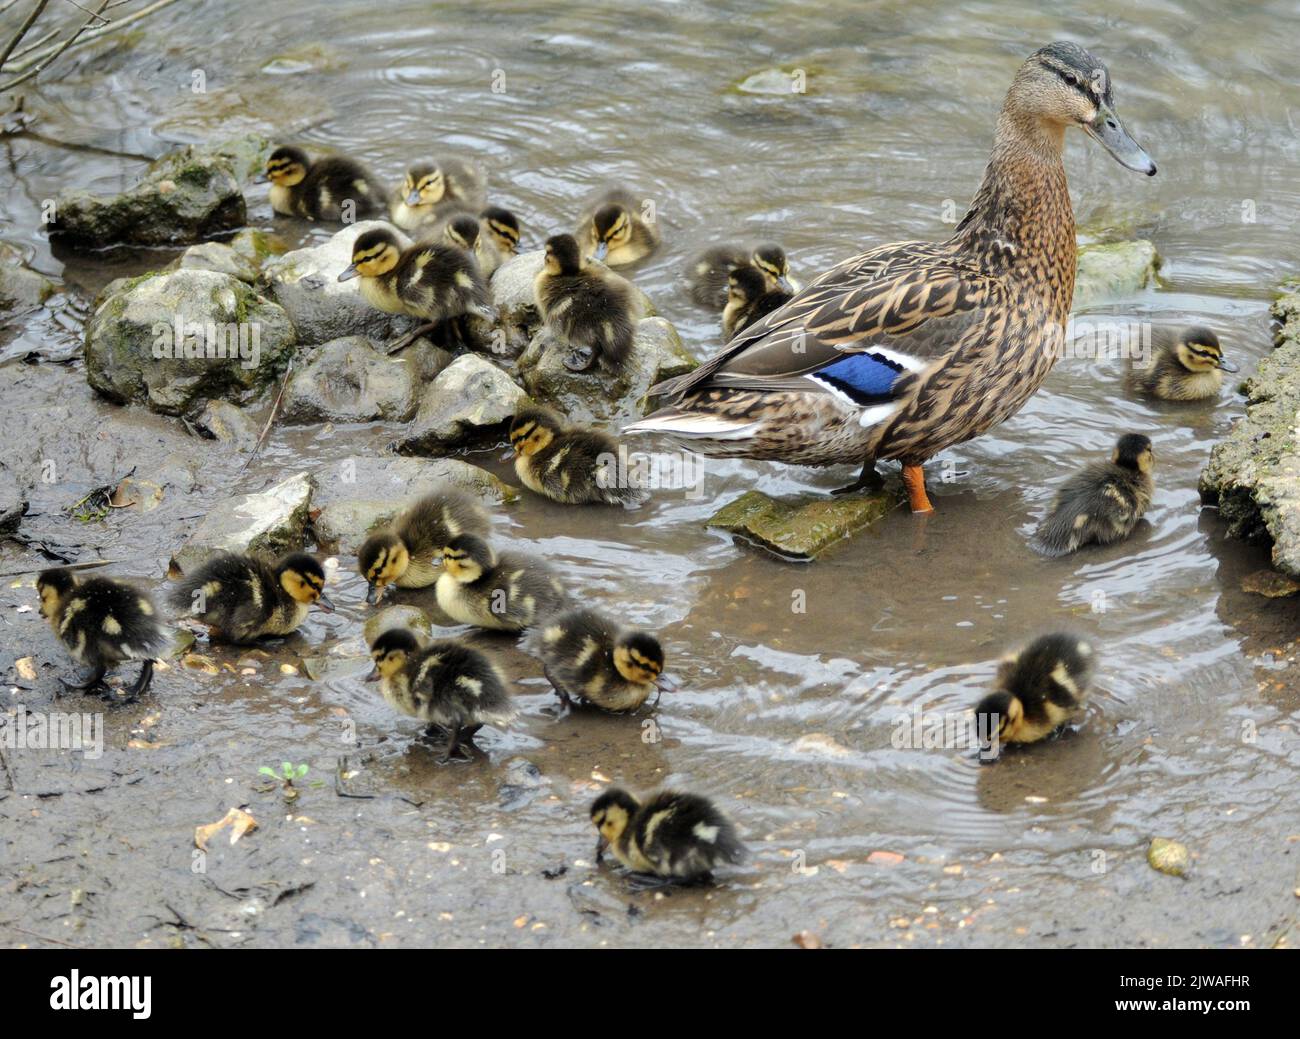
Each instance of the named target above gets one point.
<point>869,480</point>
<point>95,681</point>
<point>580,359</point>
<point>142,683</point>
<point>456,750</point>
<point>406,340</point>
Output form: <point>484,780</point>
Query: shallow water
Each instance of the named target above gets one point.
<point>1191,732</point>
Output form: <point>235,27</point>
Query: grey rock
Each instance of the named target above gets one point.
<point>269,522</point>
<point>13,503</point>
<point>213,256</point>
<point>398,616</point>
<point>133,354</point>
<point>228,424</point>
<point>468,404</point>
<point>1114,269</point>
<point>257,246</point>
<point>21,288</point>
<point>348,380</point>
<point>305,282</point>
<point>595,395</point>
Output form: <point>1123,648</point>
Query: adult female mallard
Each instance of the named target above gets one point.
<point>912,347</point>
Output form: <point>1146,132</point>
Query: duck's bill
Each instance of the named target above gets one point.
<point>374,676</point>
<point>784,284</point>
<point>1227,366</point>
<point>1110,133</point>
<point>601,846</point>
<point>323,601</point>
<point>413,199</point>
<point>507,454</point>
<point>373,592</point>
<point>602,250</point>
<point>667,684</point>
<point>349,273</point>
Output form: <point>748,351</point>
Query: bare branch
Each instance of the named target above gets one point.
<point>22,30</point>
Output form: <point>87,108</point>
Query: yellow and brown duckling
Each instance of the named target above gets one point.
<point>588,307</point>
<point>505,592</point>
<point>618,229</point>
<point>1185,364</point>
<point>749,298</point>
<point>590,659</point>
<point>445,683</point>
<point>432,188</point>
<point>1037,690</point>
<point>432,281</point>
<point>102,622</point>
<point>408,554</point>
<point>707,274</point>
<point>465,231</point>
<point>242,598</point>
<point>503,228</point>
<point>676,836</point>
<point>333,187</point>
<point>1103,503</point>
<point>569,464</point>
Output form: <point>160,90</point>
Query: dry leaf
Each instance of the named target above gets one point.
<point>884,858</point>
<point>237,819</point>
<point>807,940</point>
<point>26,669</point>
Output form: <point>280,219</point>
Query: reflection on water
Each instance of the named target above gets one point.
<point>896,121</point>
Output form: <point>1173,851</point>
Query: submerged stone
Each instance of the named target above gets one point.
<point>1169,856</point>
<point>21,288</point>
<point>801,528</point>
<point>269,522</point>
<point>1114,269</point>
<point>401,615</point>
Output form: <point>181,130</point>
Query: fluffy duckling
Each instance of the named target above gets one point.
<point>589,308</point>
<point>614,230</point>
<point>748,299</point>
<point>242,598</point>
<point>464,230</point>
<point>446,684</point>
<point>432,188</point>
<point>408,553</point>
<point>1103,503</point>
<point>102,622</point>
<point>1037,690</point>
<point>673,835</point>
<point>707,274</point>
<point>506,592</point>
<point>332,188</point>
<point>589,658</point>
<point>1185,364</point>
<point>432,281</point>
<point>503,227</point>
<point>568,464</point>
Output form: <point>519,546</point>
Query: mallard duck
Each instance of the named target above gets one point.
<point>1037,690</point>
<point>588,307</point>
<point>674,835</point>
<point>1103,503</point>
<point>1185,364</point>
<point>617,229</point>
<point>748,299</point>
<point>590,659</point>
<point>464,230</point>
<point>333,188</point>
<point>707,273</point>
<point>569,464</point>
<point>432,188</point>
<point>506,592</point>
<point>102,622</point>
<point>408,553</point>
<point>913,347</point>
<point>503,226</point>
<point>242,598</point>
<point>436,282</point>
<point>445,684</point>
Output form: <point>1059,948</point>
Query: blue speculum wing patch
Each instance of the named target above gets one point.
<point>864,378</point>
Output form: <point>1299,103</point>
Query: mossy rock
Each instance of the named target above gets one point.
<point>800,529</point>
<point>1114,269</point>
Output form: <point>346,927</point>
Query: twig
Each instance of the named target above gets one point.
<point>269,419</point>
<point>22,52</point>
<point>22,30</point>
<point>72,38</point>
<point>70,566</point>
<point>52,941</point>
<point>93,34</point>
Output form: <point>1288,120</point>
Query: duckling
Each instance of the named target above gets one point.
<point>503,227</point>
<point>1037,690</point>
<point>1103,503</point>
<point>1186,364</point>
<point>568,464</point>
<point>446,684</point>
<point>102,622</point>
<point>507,592</point>
<point>587,307</point>
<point>673,835</point>
<point>431,281</point>
<point>242,598</point>
<point>748,299</point>
<point>333,188</point>
<point>614,230</point>
<point>707,274</point>
<point>464,230</point>
<point>432,188</point>
<point>589,658</point>
<point>408,553</point>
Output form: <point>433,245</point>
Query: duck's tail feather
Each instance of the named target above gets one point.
<point>695,425</point>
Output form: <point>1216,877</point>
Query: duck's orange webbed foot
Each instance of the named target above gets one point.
<point>914,481</point>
